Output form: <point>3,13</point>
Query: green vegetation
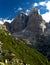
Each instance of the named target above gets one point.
<point>15,51</point>
<point>48,63</point>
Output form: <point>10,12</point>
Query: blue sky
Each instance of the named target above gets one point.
<point>10,8</point>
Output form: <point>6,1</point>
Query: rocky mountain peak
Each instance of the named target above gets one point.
<point>19,23</point>
<point>34,12</point>
<point>35,19</point>
<point>28,23</point>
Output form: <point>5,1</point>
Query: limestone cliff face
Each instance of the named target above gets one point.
<point>19,23</point>
<point>34,21</point>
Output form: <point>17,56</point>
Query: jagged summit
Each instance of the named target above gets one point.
<point>35,19</point>
<point>19,23</point>
<point>34,11</point>
<point>29,22</point>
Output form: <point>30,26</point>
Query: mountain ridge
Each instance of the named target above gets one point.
<point>32,28</point>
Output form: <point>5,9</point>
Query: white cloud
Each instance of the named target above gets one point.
<point>42,3</point>
<point>2,21</point>
<point>35,4</point>
<point>46,16</point>
<point>27,12</point>
<point>5,20</point>
<point>48,5</point>
<point>20,8</point>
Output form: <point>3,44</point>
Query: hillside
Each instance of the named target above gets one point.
<point>33,28</point>
<point>15,52</point>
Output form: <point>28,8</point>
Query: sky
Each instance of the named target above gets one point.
<point>9,9</point>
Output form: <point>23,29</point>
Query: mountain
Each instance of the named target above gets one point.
<point>34,21</point>
<point>24,26</point>
<point>14,52</point>
<point>32,30</point>
<point>30,23</point>
<point>19,23</point>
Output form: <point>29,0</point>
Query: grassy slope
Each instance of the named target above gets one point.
<point>21,51</point>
